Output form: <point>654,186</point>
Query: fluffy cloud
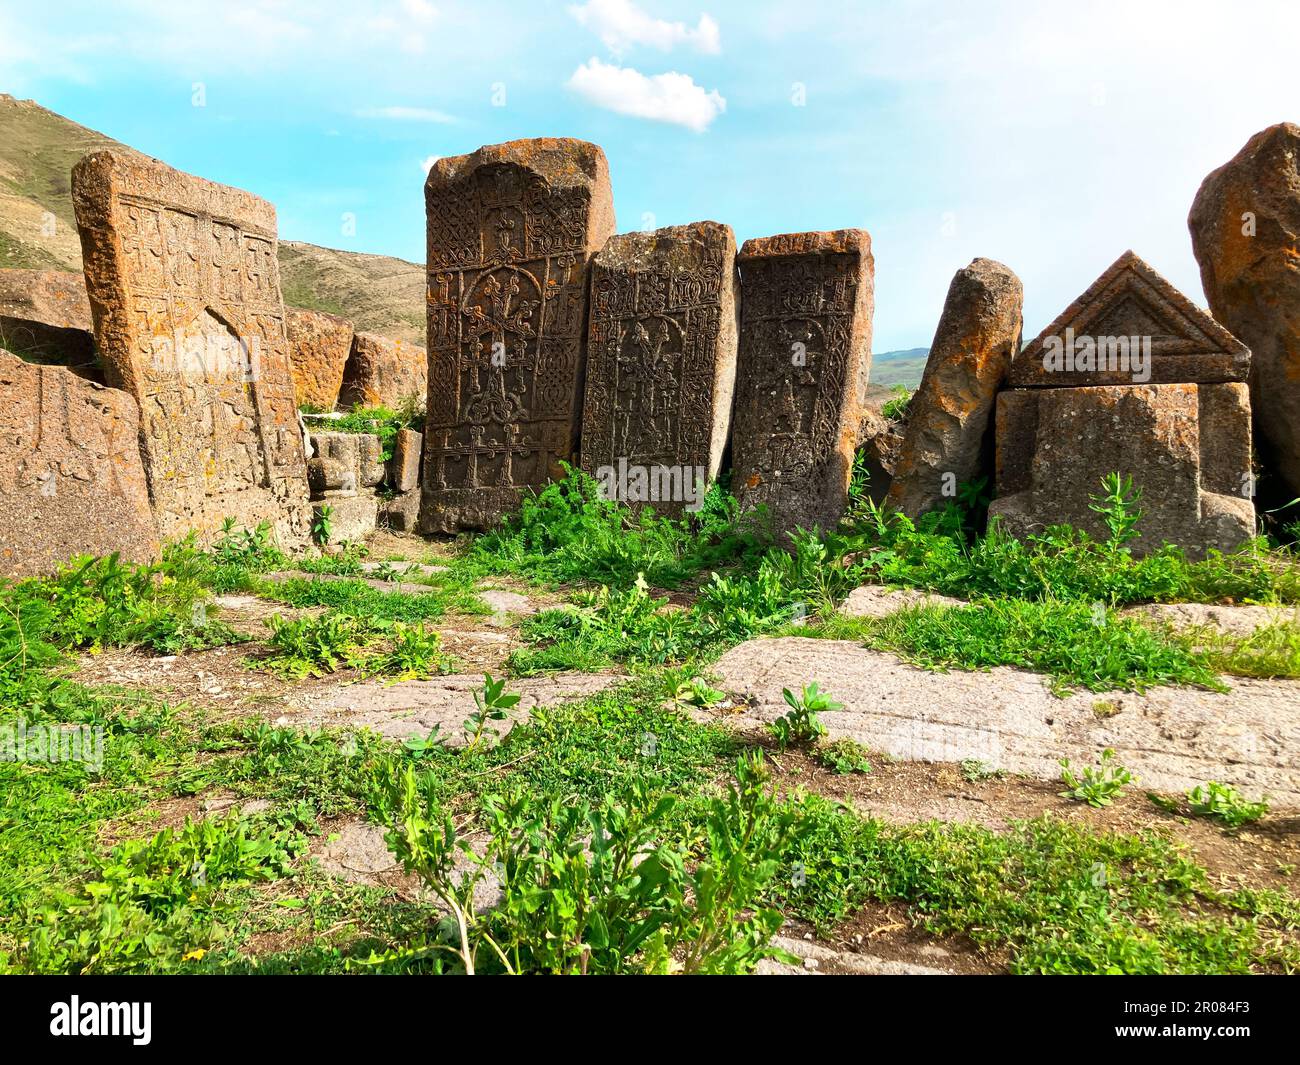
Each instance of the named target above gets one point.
<point>670,97</point>
<point>620,24</point>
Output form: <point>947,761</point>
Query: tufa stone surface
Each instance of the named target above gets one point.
<point>948,440</point>
<point>344,463</point>
<point>319,345</point>
<point>1128,311</point>
<point>404,466</point>
<point>383,372</point>
<point>184,290</point>
<point>71,479</point>
<point>1055,445</point>
<point>1011,720</point>
<point>661,364</point>
<point>512,229</point>
<point>1245,224</point>
<point>1185,443</point>
<point>880,440</point>
<point>801,382</point>
<point>45,316</point>
<point>351,517</point>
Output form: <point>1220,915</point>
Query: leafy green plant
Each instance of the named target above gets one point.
<point>322,524</point>
<point>699,692</point>
<point>1224,803</point>
<point>632,898</point>
<point>491,703</point>
<point>800,725</point>
<point>843,756</point>
<point>413,652</point>
<point>1118,507</point>
<point>974,771</point>
<point>313,646</point>
<point>1096,785</point>
<point>895,408</point>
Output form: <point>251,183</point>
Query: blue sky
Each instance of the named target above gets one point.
<point>1051,135</point>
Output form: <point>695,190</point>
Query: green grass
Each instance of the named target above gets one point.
<point>359,599</point>
<point>1056,897</point>
<point>1074,644</point>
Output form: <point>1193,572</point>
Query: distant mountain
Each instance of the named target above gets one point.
<point>38,149</point>
<point>892,368</point>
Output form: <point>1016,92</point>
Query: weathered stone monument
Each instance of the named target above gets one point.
<point>1245,225</point>
<point>45,315</point>
<point>319,345</point>
<point>1131,378</point>
<point>661,364</point>
<point>512,229</point>
<point>71,479</point>
<point>805,355</point>
<point>384,372</point>
<point>184,288</point>
<point>950,415</point>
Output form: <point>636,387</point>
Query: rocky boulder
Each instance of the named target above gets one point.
<point>948,420</point>
<point>1245,224</point>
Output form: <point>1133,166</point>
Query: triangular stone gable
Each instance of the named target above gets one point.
<point>1131,300</point>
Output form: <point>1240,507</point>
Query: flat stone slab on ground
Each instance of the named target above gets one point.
<point>404,568</point>
<point>505,602</point>
<point>1233,620</point>
<point>877,601</point>
<point>407,587</point>
<point>821,960</point>
<point>1172,739</point>
<point>414,707</point>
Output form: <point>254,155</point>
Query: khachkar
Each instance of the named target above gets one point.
<point>512,229</point>
<point>1134,379</point>
<point>805,353</point>
<point>184,289</point>
<point>661,364</point>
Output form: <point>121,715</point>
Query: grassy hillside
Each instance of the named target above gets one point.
<point>38,149</point>
<point>892,368</point>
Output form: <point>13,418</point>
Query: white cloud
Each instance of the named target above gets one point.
<point>668,97</point>
<point>407,114</point>
<point>620,24</point>
<point>426,164</point>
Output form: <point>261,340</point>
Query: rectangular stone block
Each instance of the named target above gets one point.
<point>1152,433</point>
<point>801,381</point>
<point>344,463</point>
<point>512,229</point>
<point>404,466</point>
<point>351,517</point>
<point>71,479</point>
<point>184,288</point>
<point>661,364</point>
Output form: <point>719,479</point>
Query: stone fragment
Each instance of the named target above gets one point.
<point>350,517</point>
<point>45,317</point>
<point>383,372</point>
<point>404,466</point>
<point>401,512</point>
<point>319,345</point>
<point>71,479</point>
<point>661,364</point>
<point>1245,224</point>
<point>1186,443</point>
<point>512,229</point>
<point>344,463</point>
<point>880,439</point>
<point>948,441</point>
<point>184,289</point>
<point>801,382</point>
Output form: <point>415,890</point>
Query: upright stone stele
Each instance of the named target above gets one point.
<point>1134,379</point>
<point>661,364</point>
<point>184,288</point>
<point>512,229</point>
<point>801,381</point>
